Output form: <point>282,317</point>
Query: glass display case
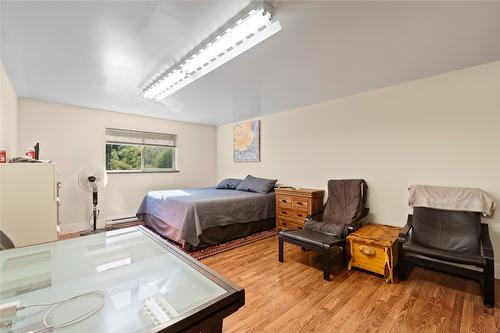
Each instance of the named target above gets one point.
<point>148,283</point>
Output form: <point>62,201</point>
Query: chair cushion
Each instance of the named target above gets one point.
<point>312,237</point>
<point>454,231</point>
<point>346,200</point>
<point>461,258</point>
<point>257,185</point>
<point>334,229</point>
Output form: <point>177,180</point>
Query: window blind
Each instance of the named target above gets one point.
<point>121,136</point>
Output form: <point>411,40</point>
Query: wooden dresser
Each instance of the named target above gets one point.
<point>293,205</point>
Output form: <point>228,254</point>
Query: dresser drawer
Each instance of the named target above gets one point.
<point>299,215</point>
<point>301,203</point>
<point>292,214</point>
<point>283,212</point>
<point>284,201</point>
<point>284,223</point>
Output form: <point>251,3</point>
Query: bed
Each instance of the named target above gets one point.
<point>196,218</point>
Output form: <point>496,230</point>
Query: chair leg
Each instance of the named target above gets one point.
<point>280,250</point>
<point>403,268</point>
<point>489,284</point>
<point>326,263</point>
<point>344,253</point>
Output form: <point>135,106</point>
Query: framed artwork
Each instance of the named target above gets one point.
<point>246,142</point>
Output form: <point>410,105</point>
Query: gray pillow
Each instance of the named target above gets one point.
<point>228,184</point>
<point>257,185</point>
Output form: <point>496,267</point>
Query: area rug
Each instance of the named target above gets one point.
<point>222,247</point>
<point>226,246</point>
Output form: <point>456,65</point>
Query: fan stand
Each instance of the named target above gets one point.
<point>94,229</point>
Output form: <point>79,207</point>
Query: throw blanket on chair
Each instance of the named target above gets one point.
<point>451,198</point>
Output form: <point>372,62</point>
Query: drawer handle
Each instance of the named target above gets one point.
<point>367,251</point>
<point>283,200</point>
<point>284,212</point>
<point>300,203</point>
<point>300,215</point>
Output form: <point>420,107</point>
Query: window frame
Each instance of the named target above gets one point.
<point>174,169</point>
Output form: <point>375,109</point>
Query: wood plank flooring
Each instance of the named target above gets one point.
<point>293,297</point>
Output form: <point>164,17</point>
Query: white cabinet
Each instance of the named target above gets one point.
<point>28,202</point>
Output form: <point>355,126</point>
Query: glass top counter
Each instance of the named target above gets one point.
<point>149,284</point>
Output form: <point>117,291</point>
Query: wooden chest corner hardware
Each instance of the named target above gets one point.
<point>373,248</point>
<point>293,206</point>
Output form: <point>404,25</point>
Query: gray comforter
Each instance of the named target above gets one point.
<point>193,210</point>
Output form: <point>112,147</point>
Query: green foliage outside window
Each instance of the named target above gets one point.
<point>128,157</point>
<point>123,157</point>
<point>158,157</point>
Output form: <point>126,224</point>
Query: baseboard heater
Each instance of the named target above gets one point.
<point>120,220</point>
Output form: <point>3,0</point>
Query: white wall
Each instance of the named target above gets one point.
<point>8,115</point>
<point>73,137</point>
<point>442,130</point>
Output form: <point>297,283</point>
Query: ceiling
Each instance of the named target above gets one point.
<point>99,54</point>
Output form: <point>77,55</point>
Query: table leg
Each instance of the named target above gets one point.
<point>215,326</point>
<point>351,255</point>
<point>280,249</point>
<point>388,265</point>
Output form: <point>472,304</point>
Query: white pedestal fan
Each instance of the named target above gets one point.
<point>93,180</point>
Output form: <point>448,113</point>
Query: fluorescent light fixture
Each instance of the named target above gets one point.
<point>250,27</point>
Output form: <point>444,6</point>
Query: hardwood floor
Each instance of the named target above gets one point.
<point>293,297</point>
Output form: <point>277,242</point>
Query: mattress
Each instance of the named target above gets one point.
<point>182,215</point>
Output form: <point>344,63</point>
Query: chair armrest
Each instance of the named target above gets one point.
<point>403,234</point>
<point>356,224</point>
<point>365,213</point>
<point>486,242</point>
<point>313,215</point>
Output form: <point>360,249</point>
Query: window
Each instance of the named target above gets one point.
<point>134,151</point>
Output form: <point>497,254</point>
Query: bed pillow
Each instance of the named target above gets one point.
<point>257,185</point>
<point>228,184</point>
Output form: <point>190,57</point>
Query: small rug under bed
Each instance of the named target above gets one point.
<point>223,247</point>
<point>210,250</point>
<point>229,245</point>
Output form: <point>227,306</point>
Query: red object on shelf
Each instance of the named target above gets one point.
<point>3,156</point>
<point>31,153</point>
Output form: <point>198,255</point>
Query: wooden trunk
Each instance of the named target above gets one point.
<point>373,248</point>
